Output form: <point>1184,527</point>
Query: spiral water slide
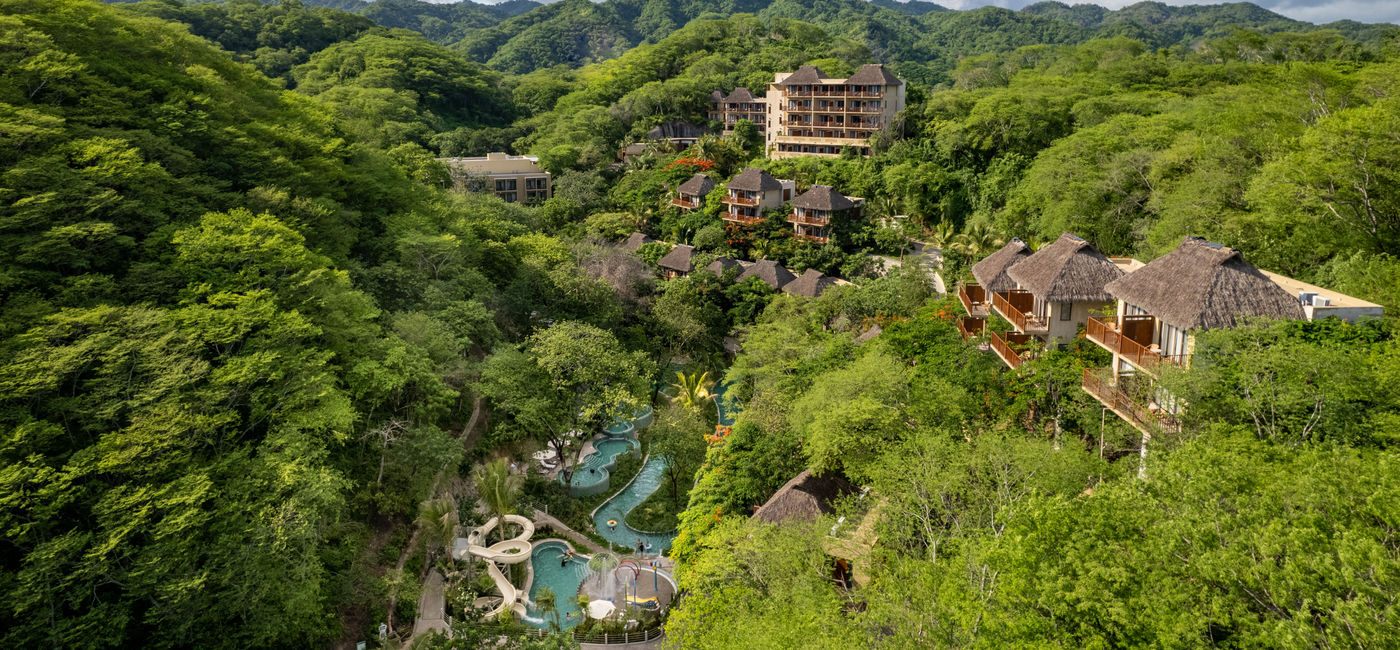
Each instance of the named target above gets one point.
<point>512,551</point>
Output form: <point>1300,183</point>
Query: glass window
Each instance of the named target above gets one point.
<point>1066,308</point>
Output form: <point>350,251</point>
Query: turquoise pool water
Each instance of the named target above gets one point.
<point>593,471</point>
<point>725,410</point>
<point>563,580</point>
<point>616,509</point>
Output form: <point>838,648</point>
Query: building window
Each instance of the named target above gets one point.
<point>1066,308</point>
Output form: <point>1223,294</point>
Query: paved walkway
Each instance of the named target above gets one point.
<point>432,606</point>
<point>579,539</point>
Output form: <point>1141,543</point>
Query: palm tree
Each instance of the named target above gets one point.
<point>710,147</point>
<point>693,390</point>
<point>975,241</point>
<point>437,518</point>
<point>546,601</point>
<point>942,237</point>
<point>885,207</point>
<point>498,488</point>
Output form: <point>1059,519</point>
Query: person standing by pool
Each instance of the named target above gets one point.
<point>639,546</point>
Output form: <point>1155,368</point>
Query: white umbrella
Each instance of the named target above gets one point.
<point>600,608</point>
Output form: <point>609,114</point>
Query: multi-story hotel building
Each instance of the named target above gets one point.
<point>750,192</point>
<point>738,105</point>
<point>513,178</point>
<point>806,113</point>
<point>811,114</point>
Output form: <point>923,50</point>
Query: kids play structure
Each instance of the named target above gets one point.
<point>511,551</point>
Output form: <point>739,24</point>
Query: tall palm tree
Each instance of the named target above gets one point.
<point>942,237</point>
<point>975,241</point>
<point>437,518</point>
<point>498,489</point>
<point>548,603</point>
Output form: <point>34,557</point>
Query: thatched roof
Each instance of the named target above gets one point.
<point>722,264</point>
<point>807,74</point>
<point>810,284</point>
<point>676,129</point>
<point>741,95</point>
<point>805,498</point>
<point>822,197</point>
<point>772,274</point>
<point>716,95</point>
<point>698,185</point>
<point>991,271</point>
<point>873,74</point>
<point>678,259</point>
<point>754,179</point>
<point>1069,270</point>
<point>635,241</point>
<point>1203,285</point>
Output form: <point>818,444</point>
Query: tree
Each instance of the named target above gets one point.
<point>693,389</point>
<point>498,488</point>
<point>548,603</point>
<point>678,435</point>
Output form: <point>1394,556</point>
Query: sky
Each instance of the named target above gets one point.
<point>1313,11</point>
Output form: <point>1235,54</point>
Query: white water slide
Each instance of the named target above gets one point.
<point>511,551</point>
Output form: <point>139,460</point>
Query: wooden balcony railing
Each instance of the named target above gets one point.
<point>1015,307</point>
<point>816,239</point>
<point>742,218</point>
<point>970,326</point>
<point>973,299</point>
<point>682,202</point>
<point>807,219</point>
<point>1101,385</point>
<point>1009,346</point>
<point>1147,358</point>
<point>740,200</point>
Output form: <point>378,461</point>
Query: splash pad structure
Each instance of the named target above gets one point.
<point>511,551</point>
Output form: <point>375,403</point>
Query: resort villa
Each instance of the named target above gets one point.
<point>807,113</point>
<point>771,273</point>
<point>751,191</point>
<point>678,262</point>
<point>815,211</point>
<point>1145,315</point>
<point>513,178</point>
<point>691,194</point>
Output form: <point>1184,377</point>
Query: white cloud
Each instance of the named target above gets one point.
<point>1313,11</point>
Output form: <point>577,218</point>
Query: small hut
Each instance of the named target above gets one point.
<point>1068,271</point>
<point>805,498</point>
<point>722,264</point>
<point>810,284</point>
<point>677,262</point>
<point>636,241</point>
<point>770,272</point>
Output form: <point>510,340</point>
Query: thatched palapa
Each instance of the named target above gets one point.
<point>772,274</point>
<point>635,241</point>
<point>805,498</point>
<point>1204,285</point>
<point>873,74</point>
<point>698,185</point>
<point>741,95</point>
<point>678,259</point>
<point>807,74</point>
<point>1069,270</point>
<point>722,264</point>
<point>991,274</point>
<point>810,284</point>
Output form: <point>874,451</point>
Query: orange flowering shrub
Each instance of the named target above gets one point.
<point>699,164</point>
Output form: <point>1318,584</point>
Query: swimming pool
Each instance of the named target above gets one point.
<point>725,410</point>
<point>564,581</point>
<point>616,509</point>
<point>592,475</point>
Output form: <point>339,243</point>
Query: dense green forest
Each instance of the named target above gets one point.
<point>257,352</point>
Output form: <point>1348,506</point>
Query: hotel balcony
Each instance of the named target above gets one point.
<point>808,220</point>
<point>742,218</point>
<point>973,299</point>
<point>1145,415</point>
<point>688,203</point>
<point>816,239</point>
<point>1133,342</point>
<point>1016,306</point>
<point>740,200</point>
<point>1012,348</point>
<point>971,326</point>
